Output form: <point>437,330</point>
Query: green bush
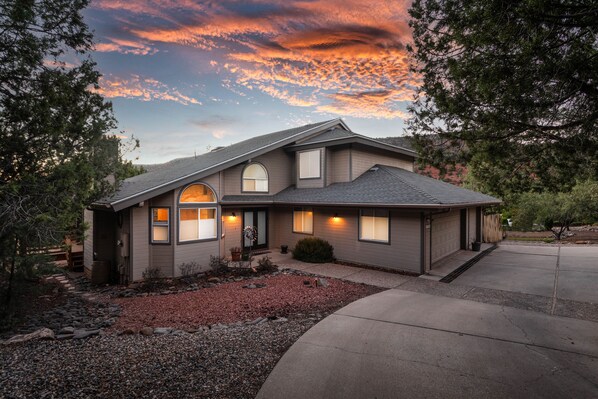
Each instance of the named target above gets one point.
<point>313,250</point>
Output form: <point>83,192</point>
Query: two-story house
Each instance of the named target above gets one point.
<point>319,180</point>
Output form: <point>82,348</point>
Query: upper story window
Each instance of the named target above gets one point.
<point>309,164</point>
<point>255,178</point>
<point>197,213</point>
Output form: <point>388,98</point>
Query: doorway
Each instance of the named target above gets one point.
<point>257,218</point>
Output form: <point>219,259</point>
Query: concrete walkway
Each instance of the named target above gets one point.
<point>349,273</point>
<point>447,265</point>
<point>414,345</point>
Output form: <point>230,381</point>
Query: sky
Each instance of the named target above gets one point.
<point>188,75</point>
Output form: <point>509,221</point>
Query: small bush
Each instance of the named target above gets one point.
<point>188,269</point>
<point>266,264</point>
<point>313,250</point>
<point>218,264</point>
<point>152,276</point>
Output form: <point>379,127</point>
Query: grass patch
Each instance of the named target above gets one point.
<point>532,239</point>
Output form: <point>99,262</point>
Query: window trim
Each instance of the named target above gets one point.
<point>198,206</point>
<point>152,224</point>
<point>320,161</point>
<point>303,209</point>
<point>359,227</point>
<point>243,179</point>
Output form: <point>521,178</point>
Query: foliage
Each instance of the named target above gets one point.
<point>189,268</point>
<point>265,264</point>
<point>509,88</point>
<point>55,155</point>
<point>556,212</point>
<point>218,264</point>
<point>151,276</point>
<point>314,250</point>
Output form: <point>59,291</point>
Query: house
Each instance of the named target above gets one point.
<point>319,180</point>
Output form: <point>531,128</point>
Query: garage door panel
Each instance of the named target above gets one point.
<point>445,235</point>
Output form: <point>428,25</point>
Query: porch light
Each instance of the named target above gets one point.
<point>335,218</point>
<point>233,216</point>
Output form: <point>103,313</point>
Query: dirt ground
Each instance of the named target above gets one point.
<point>578,235</point>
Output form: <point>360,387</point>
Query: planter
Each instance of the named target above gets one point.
<point>236,256</point>
<point>284,249</point>
<point>476,246</point>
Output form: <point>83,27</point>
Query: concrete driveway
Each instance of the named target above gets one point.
<point>568,272</point>
<point>413,345</point>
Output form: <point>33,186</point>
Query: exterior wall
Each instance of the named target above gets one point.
<point>312,183</point>
<point>88,242</point>
<point>123,226</point>
<point>279,165</point>
<point>162,255</point>
<point>338,167</point>
<point>139,244</point>
<point>446,238</point>
<point>471,227</point>
<point>362,160</point>
<point>403,252</point>
<point>232,229</point>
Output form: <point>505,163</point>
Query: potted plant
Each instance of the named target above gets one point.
<point>476,246</point>
<point>284,249</point>
<point>236,253</point>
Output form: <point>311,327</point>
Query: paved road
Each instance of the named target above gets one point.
<point>426,339</point>
<point>568,272</point>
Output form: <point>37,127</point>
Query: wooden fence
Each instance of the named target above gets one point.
<point>492,229</point>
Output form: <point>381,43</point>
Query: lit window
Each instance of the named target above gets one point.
<point>255,178</point>
<point>160,225</point>
<point>374,225</point>
<point>309,164</point>
<point>303,220</point>
<point>197,193</point>
<point>197,222</point>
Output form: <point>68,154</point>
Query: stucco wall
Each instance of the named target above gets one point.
<point>403,253</point>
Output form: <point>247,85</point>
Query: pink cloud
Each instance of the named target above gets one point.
<point>144,89</point>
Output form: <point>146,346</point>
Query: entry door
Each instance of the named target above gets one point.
<point>257,218</point>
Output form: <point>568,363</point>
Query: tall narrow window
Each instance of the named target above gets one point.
<point>160,226</point>
<point>309,164</point>
<point>303,220</point>
<point>197,213</point>
<point>255,178</point>
<point>374,225</point>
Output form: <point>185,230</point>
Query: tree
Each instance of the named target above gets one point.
<point>511,88</point>
<point>55,154</point>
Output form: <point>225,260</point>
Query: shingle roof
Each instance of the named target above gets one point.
<point>382,185</point>
<point>175,173</point>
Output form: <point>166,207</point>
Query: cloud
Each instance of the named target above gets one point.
<point>144,89</point>
<point>125,47</point>
<point>336,56</point>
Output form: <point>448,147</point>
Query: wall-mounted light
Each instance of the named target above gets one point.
<point>232,217</point>
<point>335,218</point>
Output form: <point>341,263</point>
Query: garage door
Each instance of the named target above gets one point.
<point>445,235</point>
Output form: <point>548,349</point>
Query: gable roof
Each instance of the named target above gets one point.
<point>380,186</point>
<point>181,171</point>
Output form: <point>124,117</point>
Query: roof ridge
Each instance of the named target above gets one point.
<point>424,193</point>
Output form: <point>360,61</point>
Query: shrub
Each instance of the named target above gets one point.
<point>188,269</point>
<point>152,276</point>
<point>314,250</point>
<point>218,264</point>
<point>266,264</point>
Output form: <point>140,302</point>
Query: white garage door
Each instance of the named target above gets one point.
<point>445,234</point>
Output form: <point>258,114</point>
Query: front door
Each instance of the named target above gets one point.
<point>257,218</point>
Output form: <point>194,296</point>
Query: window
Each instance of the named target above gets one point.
<point>374,225</point>
<point>303,220</point>
<point>309,164</point>
<point>160,226</point>
<point>255,178</point>
<point>197,213</point>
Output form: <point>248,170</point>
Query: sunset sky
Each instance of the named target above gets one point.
<point>185,74</point>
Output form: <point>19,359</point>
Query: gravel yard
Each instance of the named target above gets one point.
<point>214,352</point>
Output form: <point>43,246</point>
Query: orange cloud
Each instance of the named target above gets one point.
<point>144,89</point>
<point>337,56</point>
<point>125,47</point>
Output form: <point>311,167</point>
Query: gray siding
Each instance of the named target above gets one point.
<point>311,183</point>
<point>279,165</point>
<point>403,253</point>
<point>232,229</point>
<point>339,166</point>
<point>362,160</point>
<point>88,242</point>
<point>139,248</point>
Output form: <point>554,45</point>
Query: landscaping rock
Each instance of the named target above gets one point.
<point>66,330</point>
<point>213,280</point>
<point>82,334</point>
<point>147,331</point>
<point>321,282</point>
<point>41,334</point>
<point>61,337</point>
<point>162,330</point>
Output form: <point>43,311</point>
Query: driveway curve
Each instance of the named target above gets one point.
<point>407,344</point>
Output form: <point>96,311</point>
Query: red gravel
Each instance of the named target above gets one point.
<point>283,295</point>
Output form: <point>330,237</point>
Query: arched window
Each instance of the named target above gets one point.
<point>197,213</point>
<point>255,178</point>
